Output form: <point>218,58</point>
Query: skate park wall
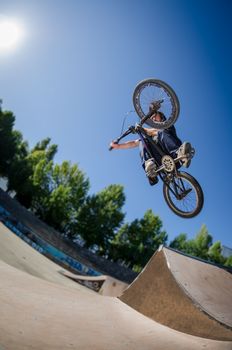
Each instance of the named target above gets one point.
<point>50,243</point>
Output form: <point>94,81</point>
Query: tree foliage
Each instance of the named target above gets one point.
<point>180,243</point>
<point>228,261</point>
<point>214,253</point>
<point>9,140</point>
<point>136,242</point>
<point>201,246</point>
<point>60,191</point>
<point>198,246</point>
<point>100,217</point>
<point>24,168</point>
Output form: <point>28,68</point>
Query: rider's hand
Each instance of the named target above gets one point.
<point>137,127</point>
<point>113,145</point>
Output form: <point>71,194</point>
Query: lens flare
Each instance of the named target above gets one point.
<point>11,33</point>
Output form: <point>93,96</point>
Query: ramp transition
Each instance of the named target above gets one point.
<point>184,293</point>
<point>41,309</point>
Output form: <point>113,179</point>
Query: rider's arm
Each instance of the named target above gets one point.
<point>125,145</point>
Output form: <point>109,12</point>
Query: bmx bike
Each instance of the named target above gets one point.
<point>182,193</point>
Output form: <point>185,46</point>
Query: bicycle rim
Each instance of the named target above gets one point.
<point>153,90</point>
<point>184,195</point>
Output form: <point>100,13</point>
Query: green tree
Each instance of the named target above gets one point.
<point>201,246</point>
<point>214,253</point>
<point>228,261</point>
<point>100,217</point>
<point>8,140</point>
<point>202,243</point>
<point>60,191</point>
<point>24,167</point>
<point>180,243</point>
<point>13,156</point>
<point>135,243</point>
<point>198,246</point>
<point>54,192</point>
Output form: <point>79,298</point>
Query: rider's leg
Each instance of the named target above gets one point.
<point>187,152</point>
<point>176,148</point>
<point>170,142</point>
<point>148,165</point>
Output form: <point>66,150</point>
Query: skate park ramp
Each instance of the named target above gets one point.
<point>105,285</point>
<point>41,309</point>
<point>16,253</point>
<point>184,293</point>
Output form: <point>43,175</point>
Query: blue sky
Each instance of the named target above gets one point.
<point>73,76</point>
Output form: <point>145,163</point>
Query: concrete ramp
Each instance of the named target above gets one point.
<point>104,285</point>
<point>41,309</point>
<point>184,293</point>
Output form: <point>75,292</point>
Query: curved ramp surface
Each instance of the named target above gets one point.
<point>184,293</point>
<point>15,252</point>
<point>42,312</point>
<point>105,285</point>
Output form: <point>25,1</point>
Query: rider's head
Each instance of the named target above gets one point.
<point>154,112</point>
<point>158,117</point>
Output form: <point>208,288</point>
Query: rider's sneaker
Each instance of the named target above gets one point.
<point>150,169</point>
<point>153,181</point>
<point>186,151</point>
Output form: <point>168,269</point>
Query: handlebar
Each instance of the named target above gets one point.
<point>132,129</point>
<point>110,148</point>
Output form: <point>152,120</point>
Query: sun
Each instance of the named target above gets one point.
<point>11,33</point>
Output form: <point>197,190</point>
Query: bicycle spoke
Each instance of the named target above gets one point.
<point>153,90</point>
<point>180,197</point>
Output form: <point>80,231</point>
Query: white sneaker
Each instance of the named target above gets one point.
<point>150,168</point>
<point>186,152</point>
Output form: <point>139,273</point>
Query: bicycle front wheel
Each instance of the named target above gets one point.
<point>184,195</point>
<point>152,91</point>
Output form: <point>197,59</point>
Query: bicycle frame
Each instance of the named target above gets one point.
<point>150,145</point>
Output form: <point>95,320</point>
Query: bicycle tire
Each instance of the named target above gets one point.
<point>199,196</point>
<point>143,110</point>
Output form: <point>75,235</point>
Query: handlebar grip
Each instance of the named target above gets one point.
<point>127,132</point>
<point>110,148</point>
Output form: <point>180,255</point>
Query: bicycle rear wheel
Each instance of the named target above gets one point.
<point>183,195</point>
<point>152,91</point>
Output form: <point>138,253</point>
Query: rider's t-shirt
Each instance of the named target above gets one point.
<point>169,140</point>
